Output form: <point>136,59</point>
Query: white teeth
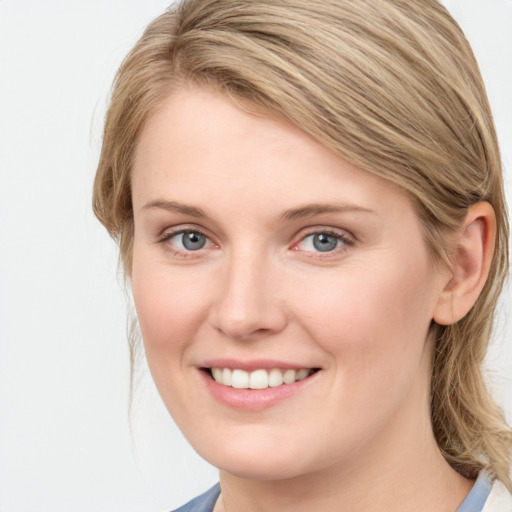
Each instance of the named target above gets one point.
<point>258,379</point>
<point>302,374</point>
<point>217,374</point>
<point>240,379</point>
<point>226,377</point>
<point>275,378</point>
<point>289,376</point>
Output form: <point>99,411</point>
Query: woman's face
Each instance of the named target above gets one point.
<point>260,256</point>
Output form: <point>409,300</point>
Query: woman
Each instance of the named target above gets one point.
<point>309,204</point>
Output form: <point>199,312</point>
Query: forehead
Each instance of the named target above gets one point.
<point>199,145</point>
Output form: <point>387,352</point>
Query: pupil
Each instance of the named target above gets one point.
<point>325,243</point>
<point>193,241</point>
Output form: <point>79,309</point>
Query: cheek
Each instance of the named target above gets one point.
<point>170,306</point>
<point>374,327</point>
<point>372,322</point>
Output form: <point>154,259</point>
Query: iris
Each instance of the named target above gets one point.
<point>192,240</point>
<point>324,243</point>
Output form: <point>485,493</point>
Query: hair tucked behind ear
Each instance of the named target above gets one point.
<point>392,87</point>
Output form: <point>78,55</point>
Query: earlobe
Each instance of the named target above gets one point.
<point>470,264</point>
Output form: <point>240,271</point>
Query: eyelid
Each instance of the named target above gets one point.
<point>344,236</point>
<point>168,233</point>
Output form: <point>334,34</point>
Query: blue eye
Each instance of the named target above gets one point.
<point>325,243</point>
<point>322,242</point>
<point>189,240</point>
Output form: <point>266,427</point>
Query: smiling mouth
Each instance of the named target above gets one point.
<point>258,379</point>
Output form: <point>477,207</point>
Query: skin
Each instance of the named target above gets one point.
<point>359,432</point>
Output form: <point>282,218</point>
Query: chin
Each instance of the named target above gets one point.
<point>258,467</point>
<point>256,460</point>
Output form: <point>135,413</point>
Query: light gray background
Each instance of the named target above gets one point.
<point>65,441</point>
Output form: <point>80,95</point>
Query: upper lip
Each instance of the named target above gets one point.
<point>253,364</point>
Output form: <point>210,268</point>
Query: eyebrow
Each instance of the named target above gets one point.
<point>175,206</point>
<point>310,210</point>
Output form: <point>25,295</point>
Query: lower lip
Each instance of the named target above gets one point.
<point>255,399</point>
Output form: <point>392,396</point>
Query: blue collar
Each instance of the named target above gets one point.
<point>478,495</point>
<point>474,501</point>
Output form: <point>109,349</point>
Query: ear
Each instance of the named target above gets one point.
<point>470,263</point>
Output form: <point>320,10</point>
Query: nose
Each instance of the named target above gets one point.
<point>249,304</point>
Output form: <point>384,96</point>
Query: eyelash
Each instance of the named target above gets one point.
<point>343,238</point>
<point>169,235</point>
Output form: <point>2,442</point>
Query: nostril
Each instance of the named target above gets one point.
<point>246,309</point>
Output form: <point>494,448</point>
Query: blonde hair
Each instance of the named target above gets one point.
<point>392,87</point>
